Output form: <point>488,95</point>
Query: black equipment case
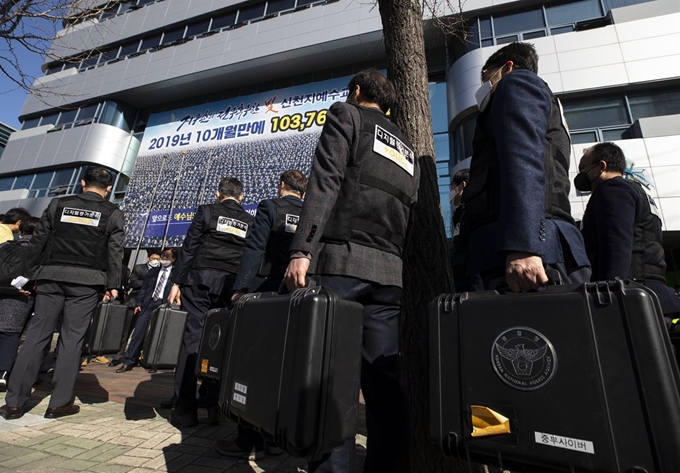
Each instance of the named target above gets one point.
<point>211,349</point>
<point>584,375</point>
<point>107,327</point>
<point>164,338</point>
<point>293,365</point>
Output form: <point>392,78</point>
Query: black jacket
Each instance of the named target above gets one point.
<point>149,286</point>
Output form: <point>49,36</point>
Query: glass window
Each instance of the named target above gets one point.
<point>89,62</point>
<point>506,39</point>
<point>595,112</point>
<point>439,106</point>
<point>42,180</point>
<point>251,13</point>
<point>129,48</point>
<point>150,42</point>
<point>461,139</point>
<point>31,123</point>
<point>616,134</point>
<point>654,103</point>
<point>109,12</point>
<point>485,29</point>
<point>221,21</point>
<point>198,27</point>
<point>487,42</point>
<point>62,177</point>
<point>24,182</point>
<point>144,2</point>
<point>514,22</point>
<point>88,111</point>
<point>573,12</point>
<point>67,116</point>
<point>51,69</point>
<point>275,6</point>
<point>583,137</point>
<point>108,55</point>
<point>609,4</point>
<point>561,30</point>
<point>49,119</point>
<point>125,6</point>
<point>533,34</point>
<point>173,35</point>
<point>6,183</point>
<point>441,151</point>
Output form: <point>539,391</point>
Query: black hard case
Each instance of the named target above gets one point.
<point>105,334</point>
<point>164,338</point>
<point>211,350</point>
<point>293,369</point>
<point>615,383</point>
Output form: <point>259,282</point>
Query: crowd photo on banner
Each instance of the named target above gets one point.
<point>262,255</point>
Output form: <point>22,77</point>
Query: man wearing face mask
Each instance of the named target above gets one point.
<point>75,257</point>
<point>154,292</point>
<point>622,225</point>
<point>204,275</point>
<point>517,202</point>
<point>139,272</point>
<point>459,251</point>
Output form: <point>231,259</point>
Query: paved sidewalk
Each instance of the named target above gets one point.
<point>118,430</point>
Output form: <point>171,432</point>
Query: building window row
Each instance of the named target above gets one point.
<point>59,182</point>
<point>605,117</point>
<point>545,20</point>
<point>110,112</point>
<point>181,33</point>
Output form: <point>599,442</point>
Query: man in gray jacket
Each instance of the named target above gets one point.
<point>76,255</point>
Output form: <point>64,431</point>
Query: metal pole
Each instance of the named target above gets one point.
<point>174,196</point>
<point>205,178</point>
<point>148,214</point>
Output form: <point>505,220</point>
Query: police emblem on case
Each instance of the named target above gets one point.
<point>523,358</point>
<point>214,338</point>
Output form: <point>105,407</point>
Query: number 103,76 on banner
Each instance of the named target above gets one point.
<point>299,121</point>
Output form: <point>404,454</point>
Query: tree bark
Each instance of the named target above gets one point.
<point>426,269</point>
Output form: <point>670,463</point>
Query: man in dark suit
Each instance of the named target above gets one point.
<point>154,292</point>
<point>351,233</point>
<point>76,256</point>
<point>204,275</point>
<point>266,256</point>
<point>517,201</point>
<point>134,283</point>
<point>622,226</point>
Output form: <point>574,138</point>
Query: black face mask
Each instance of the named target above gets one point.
<point>582,182</point>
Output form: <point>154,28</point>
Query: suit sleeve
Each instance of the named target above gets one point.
<point>615,212</point>
<point>520,116</point>
<point>256,246</point>
<point>144,292</point>
<point>38,242</point>
<point>328,170</point>
<point>116,230</point>
<point>136,278</point>
<point>192,242</point>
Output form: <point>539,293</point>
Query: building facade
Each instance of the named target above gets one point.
<point>134,80</point>
<point>5,131</point>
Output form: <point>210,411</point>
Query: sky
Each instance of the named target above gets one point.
<point>12,98</point>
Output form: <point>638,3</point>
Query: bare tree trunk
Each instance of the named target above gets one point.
<point>426,269</point>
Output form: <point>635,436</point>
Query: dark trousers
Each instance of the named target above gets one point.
<point>9,344</point>
<point>197,301</point>
<point>139,333</point>
<point>382,381</point>
<point>77,303</point>
<point>130,323</point>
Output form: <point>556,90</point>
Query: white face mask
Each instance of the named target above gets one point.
<point>483,95</point>
<point>165,263</point>
<point>154,263</point>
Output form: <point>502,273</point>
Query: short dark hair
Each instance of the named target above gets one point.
<point>461,176</point>
<point>27,226</point>
<point>295,181</point>
<point>14,215</point>
<point>153,251</point>
<point>610,154</point>
<point>98,177</point>
<point>375,88</point>
<point>230,187</point>
<point>173,251</point>
<point>523,55</point>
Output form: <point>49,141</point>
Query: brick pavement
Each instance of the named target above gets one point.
<point>119,430</point>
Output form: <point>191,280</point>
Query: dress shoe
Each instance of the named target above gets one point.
<point>124,368</point>
<point>56,412</point>
<point>188,419</point>
<point>10,413</point>
<point>114,362</point>
<point>170,403</point>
